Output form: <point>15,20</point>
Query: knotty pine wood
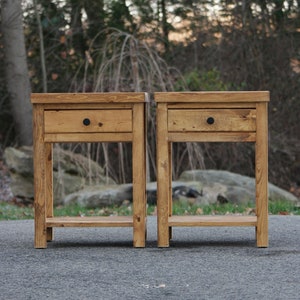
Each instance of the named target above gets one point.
<point>71,121</point>
<point>88,137</point>
<point>181,117</point>
<point>261,175</point>
<point>139,176</point>
<point>113,221</point>
<point>224,120</point>
<point>58,118</point>
<point>222,98</point>
<point>163,175</point>
<point>86,98</point>
<point>212,136</point>
<point>40,237</point>
<point>190,221</point>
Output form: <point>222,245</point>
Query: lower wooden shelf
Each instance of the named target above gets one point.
<point>228,220</point>
<point>111,221</point>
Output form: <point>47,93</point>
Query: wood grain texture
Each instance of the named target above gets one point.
<point>212,137</point>
<point>190,221</point>
<point>49,187</point>
<point>163,176</point>
<point>221,97</point>
<point>112,106</point>
<point>71,121</point>
<point>210,105</point>
<point>113,117</point>
<point>115,221</point>
<point>261,175</point>
<point>88,137</point>
<point>63,98</point>
<point>224,120</point>
<point>39,162</point>
<point>139,175</point>
<point>238,117</point>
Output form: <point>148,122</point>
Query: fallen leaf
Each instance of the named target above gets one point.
<point>199,211</point>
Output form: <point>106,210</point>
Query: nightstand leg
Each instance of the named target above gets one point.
<point>49,187</point>
<point>170,187</point>
<point>139,176</point>
<point>261,166</point>
<point>163,180</point>
<point>40,235</point>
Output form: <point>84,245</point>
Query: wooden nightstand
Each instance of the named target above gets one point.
<point>211,117</point>
<point>93,117</point>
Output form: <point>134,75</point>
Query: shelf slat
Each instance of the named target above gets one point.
<point>113,221</point>
<point>231,220</point>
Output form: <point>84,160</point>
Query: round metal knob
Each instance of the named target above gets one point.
<point>210,120</point>
<point>86,122</point>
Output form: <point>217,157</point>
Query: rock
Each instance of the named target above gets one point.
<point>20,165</point>
<point>234,187</point>
<point>100,196</point>
<point>78,179</point>
<point>19,161</point>
<point>222,188</point>
<point>65,184</point>
<point>71,172</point>
<point>200,188</point>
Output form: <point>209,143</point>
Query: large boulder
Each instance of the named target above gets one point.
<point>20,165</point>
<point>71,172</point>
<point>231,187</point>
<point>100,196</point>
<point>195,187</point>
<point>78,179</point>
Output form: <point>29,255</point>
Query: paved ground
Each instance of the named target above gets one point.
<point>100,263</point>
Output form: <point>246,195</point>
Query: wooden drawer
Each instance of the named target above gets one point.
<point>211,120</point>
<point>88,121</point>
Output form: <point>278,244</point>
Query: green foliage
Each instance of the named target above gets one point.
<point>180,208</point>
<point>281,207</point>
<point>202,81</point>
<point>13,212</point>
<point>120,17</point>
<point>10,211</point>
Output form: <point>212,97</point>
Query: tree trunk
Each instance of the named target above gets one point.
<point>95,15</point>
<point>78,41</point>
<point>165,25</point>
<point>16,69</point>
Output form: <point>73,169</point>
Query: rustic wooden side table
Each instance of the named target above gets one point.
<point>93,117</point>
<point>211,117</point>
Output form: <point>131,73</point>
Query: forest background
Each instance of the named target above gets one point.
<point>156,45</point>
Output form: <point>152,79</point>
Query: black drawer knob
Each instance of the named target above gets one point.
<point>210,120</point>
<point>86,122</point>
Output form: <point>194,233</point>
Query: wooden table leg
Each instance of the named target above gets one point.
<point>49,187</point>
<point>40,236</point>
<point>170,200</point>
<point>139,175</point>
<point>261,166</point>
<point>163,174</point>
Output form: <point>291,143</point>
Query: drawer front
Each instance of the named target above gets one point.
<point>211,120</point>
<point>71,121</point>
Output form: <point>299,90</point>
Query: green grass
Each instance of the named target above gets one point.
<point>14,212</point>
<point>213,209</point>
<point>283,208</point>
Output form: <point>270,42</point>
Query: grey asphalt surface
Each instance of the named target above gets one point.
<point>202,263</point>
